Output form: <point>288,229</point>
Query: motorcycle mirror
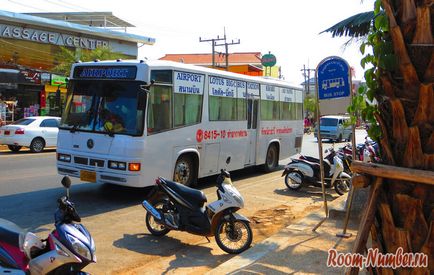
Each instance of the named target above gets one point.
<point>228,160</point>
<point>66,182</point>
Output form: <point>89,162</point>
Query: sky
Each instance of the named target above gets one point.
<point>288,29</point>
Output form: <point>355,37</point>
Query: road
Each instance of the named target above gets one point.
<point>29,187</point>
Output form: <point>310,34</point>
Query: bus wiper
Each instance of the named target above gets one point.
<point>111,133</point>
<point>74,127</point>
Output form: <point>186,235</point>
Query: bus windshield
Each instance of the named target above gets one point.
<point>105,107</point>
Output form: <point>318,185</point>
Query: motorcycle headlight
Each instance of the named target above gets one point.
<point>236,197</point>
<point>79,247</point>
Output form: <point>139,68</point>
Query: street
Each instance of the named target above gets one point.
<point>29,188</point>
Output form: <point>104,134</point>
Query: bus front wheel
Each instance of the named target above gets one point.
<point>184,172</point>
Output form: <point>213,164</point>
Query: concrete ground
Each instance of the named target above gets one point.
<point>297,249</point>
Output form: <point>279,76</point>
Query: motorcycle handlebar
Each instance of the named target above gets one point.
<point>66,211</point>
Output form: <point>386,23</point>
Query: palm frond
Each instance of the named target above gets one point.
<point>355,26</point>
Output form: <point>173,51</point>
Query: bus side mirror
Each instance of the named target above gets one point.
<point>147,87</point>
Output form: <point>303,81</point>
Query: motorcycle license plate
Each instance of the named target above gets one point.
<point>89,176</point>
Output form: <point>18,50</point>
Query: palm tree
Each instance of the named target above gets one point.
<point>66,57</point>
<point>401,36</point>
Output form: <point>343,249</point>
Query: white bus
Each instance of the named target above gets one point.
<point>128,122</point>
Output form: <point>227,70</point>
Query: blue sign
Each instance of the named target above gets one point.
<point>333,76</point>
<point>103,72</point>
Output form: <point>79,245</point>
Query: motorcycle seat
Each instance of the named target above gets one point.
<point>310,159</point>
<point>10,232</point>
<point>194,196</point>
<point>316,167</point>
<point>310,163</point>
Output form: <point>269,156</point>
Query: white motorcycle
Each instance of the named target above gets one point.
<point>306,170</point>
<point>183,208</point>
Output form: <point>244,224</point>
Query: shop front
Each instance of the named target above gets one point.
<point>54,96</point>
<point>20,93</point>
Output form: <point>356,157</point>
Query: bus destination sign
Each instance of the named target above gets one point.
<point>100,72</point>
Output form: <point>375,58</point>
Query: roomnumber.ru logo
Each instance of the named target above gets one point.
<point>375,258</point>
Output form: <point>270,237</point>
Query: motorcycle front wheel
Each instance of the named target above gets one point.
<point>233,237</point>
<point>154,227</point>
<point>342,186</point>
<point>293,180</point>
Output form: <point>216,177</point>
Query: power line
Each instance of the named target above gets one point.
<point>18,3</point>
<point>60,5</point>
<point>73,5</point>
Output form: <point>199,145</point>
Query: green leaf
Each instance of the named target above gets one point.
<point>370,94</point>
<point>377,6</point>
<point>388,62</point>
<point>362,48</point>
<point>381,22</point>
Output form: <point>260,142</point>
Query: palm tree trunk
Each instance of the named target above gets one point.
<point>405,210</point>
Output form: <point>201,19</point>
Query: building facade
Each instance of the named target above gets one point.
<point>29,47</point>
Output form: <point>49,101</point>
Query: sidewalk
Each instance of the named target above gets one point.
<point>296,248</point>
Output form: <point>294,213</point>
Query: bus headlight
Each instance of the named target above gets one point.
<point>63,157</point>
<point>118,165</point>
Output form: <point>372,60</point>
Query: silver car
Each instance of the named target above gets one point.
<point>35,132</point>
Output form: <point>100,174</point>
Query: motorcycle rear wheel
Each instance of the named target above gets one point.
<point>233,237</point>
<point>155,228</point>
<point>293,184</point>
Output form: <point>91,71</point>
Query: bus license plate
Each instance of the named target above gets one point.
<point>89,176</point>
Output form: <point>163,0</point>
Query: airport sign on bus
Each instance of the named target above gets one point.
<point>333,76</point>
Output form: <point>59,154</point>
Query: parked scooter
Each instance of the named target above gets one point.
<point>182,208</point>
<point>67,250</point>
<point>366,152</point>
<point>306,170</point>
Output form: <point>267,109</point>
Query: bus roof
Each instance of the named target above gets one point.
<point>164,64</point>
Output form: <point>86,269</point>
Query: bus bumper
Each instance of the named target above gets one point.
<point>104,176</point>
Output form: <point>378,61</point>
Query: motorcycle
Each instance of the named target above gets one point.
<point>366,152</point>
<point>66,250</point>
<point>346,159</point>
<point>183,208</point>
<point>306,170</point>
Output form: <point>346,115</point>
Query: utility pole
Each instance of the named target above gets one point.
<point>226,44</point>
<point>213,43</point>
<point>307,81</point>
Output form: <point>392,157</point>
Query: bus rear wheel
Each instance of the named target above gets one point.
<point>271,159</point>
<point>184,172</point>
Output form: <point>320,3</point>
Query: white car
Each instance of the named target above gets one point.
<point>35,132</point>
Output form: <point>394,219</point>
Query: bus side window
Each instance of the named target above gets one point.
<point>160,111</point>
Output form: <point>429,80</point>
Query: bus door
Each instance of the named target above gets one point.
<point>252,125</point>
